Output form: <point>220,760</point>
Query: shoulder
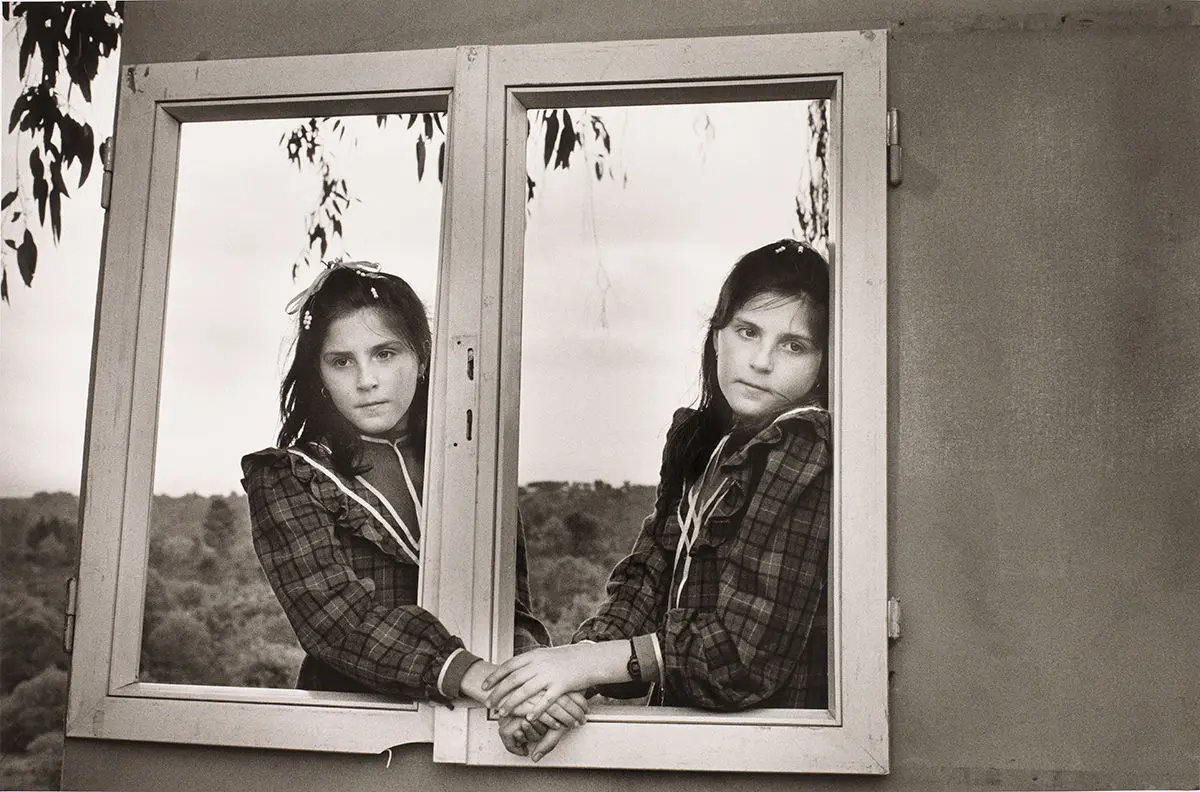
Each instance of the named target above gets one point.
<point>272,464</point>
<point>681,418</point>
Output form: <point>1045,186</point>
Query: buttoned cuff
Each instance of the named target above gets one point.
<point>453,670</point>
<point>649,657</point>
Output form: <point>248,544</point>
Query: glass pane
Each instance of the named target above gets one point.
<point>243,220</point>
<point>626,249</point>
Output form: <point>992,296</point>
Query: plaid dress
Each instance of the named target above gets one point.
<point>748,627</point>
<point>348,584</point>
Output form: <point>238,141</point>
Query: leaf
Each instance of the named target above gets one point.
<point>566,143</point>
<point>27,258</point>
<point>442,162</point>
<point>428,124</point>
<point>551,137</point>
<point>11,244</point>
<point>420,158</point>
<point>437,119</point>
<point>9,197</point>
<point>4,280</point>
<point>412,119</point>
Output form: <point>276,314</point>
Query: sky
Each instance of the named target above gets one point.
<point>620,276</point>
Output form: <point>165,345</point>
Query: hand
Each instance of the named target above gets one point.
<point>517,734</point>
<point>546,744</point>
<point>552,672</point>
<point>568,711</point>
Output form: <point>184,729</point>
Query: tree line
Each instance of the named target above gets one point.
<point>210,617</point>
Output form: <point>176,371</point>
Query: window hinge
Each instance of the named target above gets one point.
<point>106,157</point>
<point>894,152</point>
<point>893,618</point>
<point>69,615</point>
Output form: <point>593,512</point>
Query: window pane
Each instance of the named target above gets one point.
<point>625,252</point>
<point>242,222</point>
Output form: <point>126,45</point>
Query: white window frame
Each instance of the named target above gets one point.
<point>105,699</point>
<point>471,478</point>
<point>850,69</point>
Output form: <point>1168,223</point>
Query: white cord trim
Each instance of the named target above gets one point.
<point>410,552</point>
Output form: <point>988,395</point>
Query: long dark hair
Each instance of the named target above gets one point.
<point>788,268</point>
<point>307,414</point>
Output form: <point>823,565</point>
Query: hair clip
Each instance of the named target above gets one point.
<point>363,269</point>
<point>374,293</point>
<point>307,321</point>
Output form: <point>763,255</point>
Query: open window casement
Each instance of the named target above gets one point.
<point>156,103</point>
<point>848,71</point>
<point>468,545</point>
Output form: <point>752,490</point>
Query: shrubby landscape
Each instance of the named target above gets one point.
<point>211,618</point>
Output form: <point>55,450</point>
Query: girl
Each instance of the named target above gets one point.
<point>336,509</point>
<point>721,603</point>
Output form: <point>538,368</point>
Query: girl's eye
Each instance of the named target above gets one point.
<point>796,347</point>
<point>340,362</point>
<point>386,354</point>
<point>746,332</point>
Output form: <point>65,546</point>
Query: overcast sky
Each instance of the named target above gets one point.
<point>621,275</point>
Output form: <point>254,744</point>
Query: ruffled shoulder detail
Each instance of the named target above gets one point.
<point>810,422</point>
<point>354,510</point>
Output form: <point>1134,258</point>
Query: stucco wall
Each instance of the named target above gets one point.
<point>1044,405</point>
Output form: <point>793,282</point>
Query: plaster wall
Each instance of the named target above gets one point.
<point>1044,397</point>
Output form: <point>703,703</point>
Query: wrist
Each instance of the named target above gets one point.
<point>612,662</point>
<point>472,681</point>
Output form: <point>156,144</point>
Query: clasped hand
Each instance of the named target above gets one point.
<point>552,675</point>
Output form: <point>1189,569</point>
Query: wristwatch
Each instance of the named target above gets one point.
<point>633,667</point>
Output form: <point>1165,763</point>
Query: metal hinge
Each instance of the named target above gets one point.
<point>894,152</point>
<point>893,618</point>
<point>69,615</point>
<point>106,157</point>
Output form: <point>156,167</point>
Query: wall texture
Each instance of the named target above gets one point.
<point>1044,403</point>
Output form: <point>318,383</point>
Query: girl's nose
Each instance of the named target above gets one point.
<point>367,377</point>
<point>761,360</point>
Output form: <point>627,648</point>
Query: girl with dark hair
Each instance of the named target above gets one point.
<point>336,507</point>
<point>721,603</point>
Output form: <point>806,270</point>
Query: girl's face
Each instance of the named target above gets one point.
<point>769,355</point>
<point>369,371</point>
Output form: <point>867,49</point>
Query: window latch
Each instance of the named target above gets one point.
<point>894,152</point>
<point>69,615</point>
<point>893,618</point>
<point>106,157</point>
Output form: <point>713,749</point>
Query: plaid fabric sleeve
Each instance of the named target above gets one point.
<point>528,631</point>
<point>743,651</point>
<point>338,615</point>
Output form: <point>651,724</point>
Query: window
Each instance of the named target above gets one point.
<point>484,278</point>
<point>186,322</point>
<point>846,71</point>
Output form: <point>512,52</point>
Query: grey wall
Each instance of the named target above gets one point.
<point>1044,405</point>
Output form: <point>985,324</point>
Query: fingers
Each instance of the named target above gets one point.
<point>532,732</point>
<point>512,735</point>
<point>505,687</point>
<point>506,668</point>
<point>529,692</point>
<point>564,714</point>
<point>547,744</point>
<point>576,703</point>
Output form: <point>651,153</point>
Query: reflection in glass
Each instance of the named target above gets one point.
<point>239,228</point>
<point>625,251</point>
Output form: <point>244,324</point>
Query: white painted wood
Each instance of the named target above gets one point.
<point>105,700</point>
<point>466,190</point>
<point>850,69</point>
